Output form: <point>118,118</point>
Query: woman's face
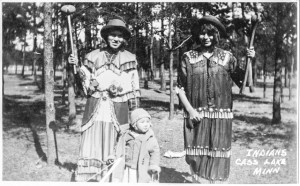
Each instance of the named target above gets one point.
<point>143,125</point>
<point>206,39</point>
<point>115,39</point>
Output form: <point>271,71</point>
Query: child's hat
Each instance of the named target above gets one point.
<point>138,114</point>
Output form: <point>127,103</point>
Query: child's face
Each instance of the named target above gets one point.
<point>143,125</point>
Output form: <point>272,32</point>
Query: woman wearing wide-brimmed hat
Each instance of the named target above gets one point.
<point>205,78</point>
<point>111,82</point>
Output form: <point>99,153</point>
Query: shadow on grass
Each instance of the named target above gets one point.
<point>263,131</point>
<point>20,115</point>
<point>155,104</point>
<point>28,114</point>
<point>71,167</point>
<point>158,81</point>
<point>73,177</point>
<point>14,97</point>
<point>25,77</point>
<point>245,98</point>
<point>37,144</point>
<point>271,85</point>
<point>170,175</point>
<point>261,84</point>
<point>16,112</point>
<point>290,110</point>
<point>253,120</point>
<point>28,84</point>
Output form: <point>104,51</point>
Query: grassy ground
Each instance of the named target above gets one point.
<point>24,136</point>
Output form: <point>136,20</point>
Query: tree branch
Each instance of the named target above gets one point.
<point>183,42</point>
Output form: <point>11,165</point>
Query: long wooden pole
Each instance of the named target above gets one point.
<point>71,39</point>
<point>248,63</point>
<point>116,163</point>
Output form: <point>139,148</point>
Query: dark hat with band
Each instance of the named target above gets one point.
<point>116,24</point>
<point>209,20</point>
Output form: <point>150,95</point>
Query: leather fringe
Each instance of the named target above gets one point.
<point>215,113</point>
<point>111,66</point>
<point>200,179</point>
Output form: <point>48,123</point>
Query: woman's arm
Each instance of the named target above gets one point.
<point>182,86</point>
<point>193,114</point>
<point>85,72</point>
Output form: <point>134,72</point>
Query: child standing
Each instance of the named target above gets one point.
<point>139,149</point>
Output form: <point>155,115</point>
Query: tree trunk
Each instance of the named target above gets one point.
<point>277,93</point>
<point>162,74</point>
<point>2,84</point>
<point>64,62</point>
<point>265,74</point>
<point>162,63</point>
<point>290,86</point>
<point>95,37</point>
<point>286,75</point>
<point>290,77</point>
<point>88,36</point>
<point>43,78</point>
<point>55,37</point>
<point>171,113</point>
<point>151,54</point>
<point>71,96</point>
<point>23,59</point>
<point>282,87</point>
<point>64,81</point>
<point>16,69</point>
<point>34,44</point>
<point>146,84</point>
<point>294,55</point>
<point>136,30</point>
<point>49,83</point>
<point>277,78</point>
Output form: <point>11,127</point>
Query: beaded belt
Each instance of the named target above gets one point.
<point>215,113</point>
<point>200,151</point>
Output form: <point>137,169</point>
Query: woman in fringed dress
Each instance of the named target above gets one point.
<point>111,82</point>
<point>205,78</point>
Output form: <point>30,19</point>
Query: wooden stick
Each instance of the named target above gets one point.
<point>248,63</point>
<point>182,43</point>
<point>71,40</point>
<point>110,170</point>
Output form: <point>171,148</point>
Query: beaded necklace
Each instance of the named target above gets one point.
<point>110,57</point>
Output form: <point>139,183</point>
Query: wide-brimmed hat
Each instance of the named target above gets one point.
<point>117,24</point>
<point>210,20</point>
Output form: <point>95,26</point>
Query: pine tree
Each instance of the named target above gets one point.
<point>49,83</point>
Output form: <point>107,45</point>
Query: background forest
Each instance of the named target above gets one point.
<point>43,98</point>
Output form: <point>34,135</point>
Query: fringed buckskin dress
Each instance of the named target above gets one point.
<point>207,83</point>
<point>105,113</point>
